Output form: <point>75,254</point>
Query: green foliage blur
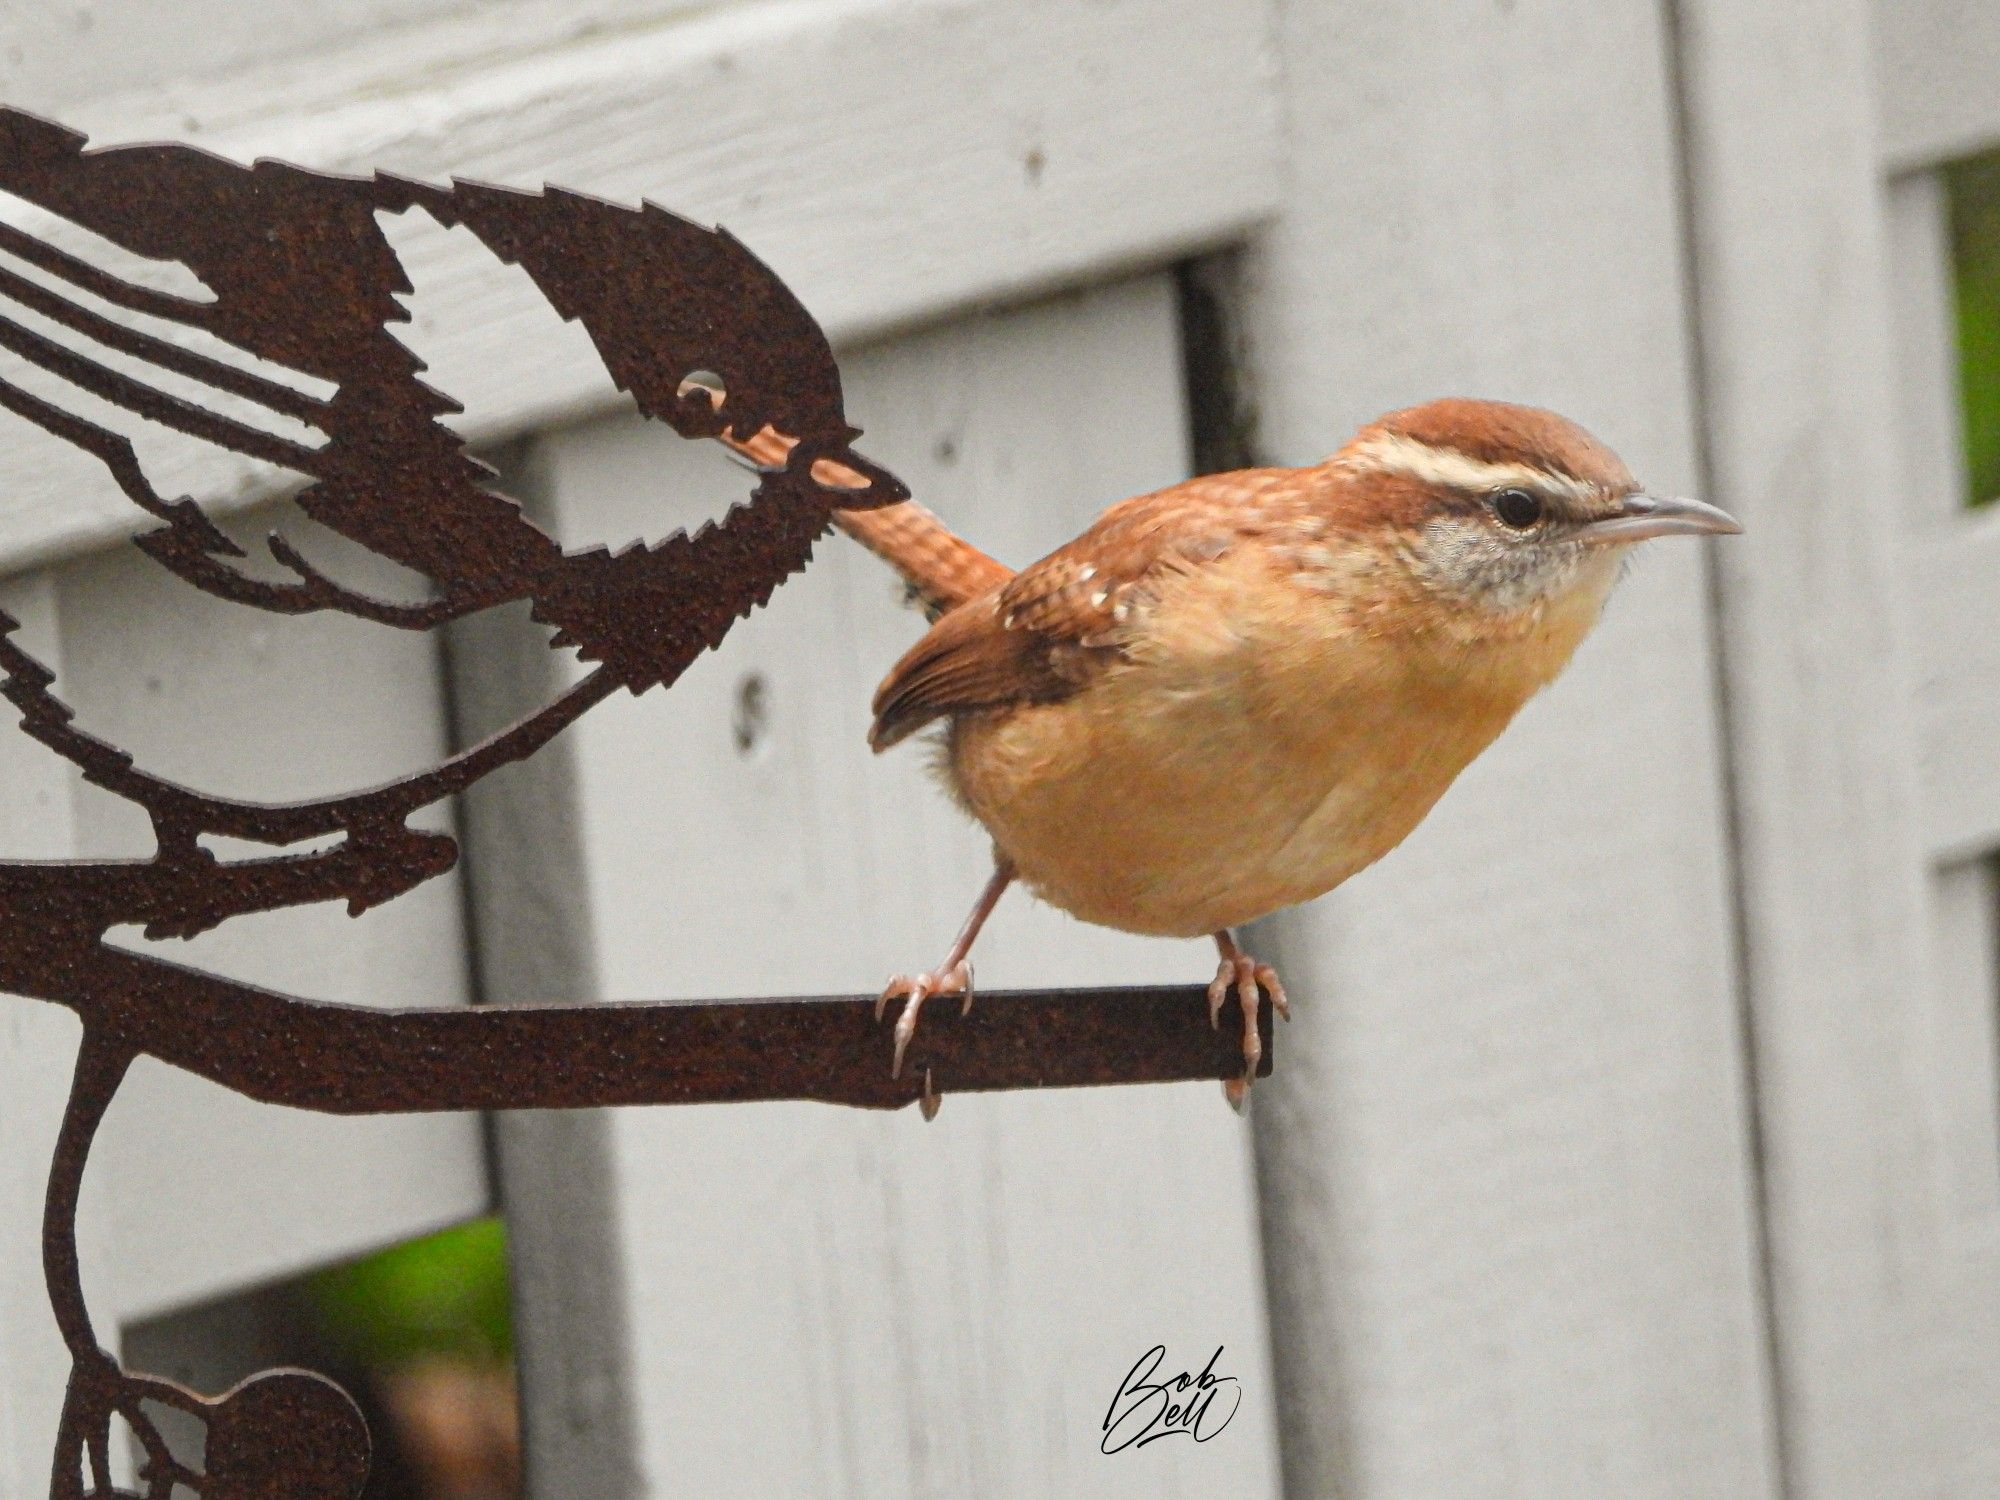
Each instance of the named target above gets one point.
<point>1973,188</point>
<point>441,1297</point>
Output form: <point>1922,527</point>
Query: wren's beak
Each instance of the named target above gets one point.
<point>1640,516</point>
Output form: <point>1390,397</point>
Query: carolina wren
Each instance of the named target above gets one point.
<point>1228,696</point>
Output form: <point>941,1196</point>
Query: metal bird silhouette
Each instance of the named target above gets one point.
<point>285,353</point>
<point>300,277</point>
<point>303,277</point>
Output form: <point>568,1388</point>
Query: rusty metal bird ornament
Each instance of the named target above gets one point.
<point>287,355</point>
<point>300,277</point>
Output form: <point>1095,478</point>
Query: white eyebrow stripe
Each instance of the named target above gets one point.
<point>1393,453</point>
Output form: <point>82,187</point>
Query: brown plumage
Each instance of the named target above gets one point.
<point>1228,696</point>
<point>942,570</point>
<point>1037,636</point>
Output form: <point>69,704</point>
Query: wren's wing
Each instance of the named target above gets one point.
<point>1039,636</point>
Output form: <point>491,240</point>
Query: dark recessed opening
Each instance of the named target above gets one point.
<point>420,1334</point>
<point>1973,192</point>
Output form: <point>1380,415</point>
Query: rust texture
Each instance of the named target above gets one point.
<point>300,275</point>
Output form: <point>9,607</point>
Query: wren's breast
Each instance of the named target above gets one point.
<point>1182,823</point>
<point>1204,784</point>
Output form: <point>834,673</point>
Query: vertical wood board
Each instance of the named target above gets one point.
<point>1509,1199</point>
<point>1885,1319</point>
<point>213,1192</point>
<point>837,1304</point>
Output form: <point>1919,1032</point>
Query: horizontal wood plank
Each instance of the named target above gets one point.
<point>862,147</point>
<point>56,55</point>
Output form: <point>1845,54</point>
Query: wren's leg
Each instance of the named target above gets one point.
<point>1240,972</point>
<point>952,977</point>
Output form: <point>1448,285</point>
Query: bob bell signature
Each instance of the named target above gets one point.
<point>1147,1409</point>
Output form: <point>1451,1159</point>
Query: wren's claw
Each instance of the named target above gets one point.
<point>1242,971</point>
<point>1242,975</point>
<point>952,977</point>
<point>956,980</point>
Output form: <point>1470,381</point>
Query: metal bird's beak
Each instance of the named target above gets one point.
<point>863,483</point>
<point>1640,516</point>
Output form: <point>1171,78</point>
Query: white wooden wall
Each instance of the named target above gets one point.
<point>1639,1135</point>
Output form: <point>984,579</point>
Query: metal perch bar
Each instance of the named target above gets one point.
<point>344,1059</point>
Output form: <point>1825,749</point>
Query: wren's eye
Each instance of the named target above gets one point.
<point>1518,509</point>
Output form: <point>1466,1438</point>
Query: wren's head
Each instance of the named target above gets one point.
<point>1501,511</point>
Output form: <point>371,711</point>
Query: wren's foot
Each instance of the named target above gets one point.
<point>1242,975</point>
<point>956,980</point>
<point>952,977</point>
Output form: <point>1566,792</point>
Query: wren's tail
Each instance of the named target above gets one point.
<point>942,569</point>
